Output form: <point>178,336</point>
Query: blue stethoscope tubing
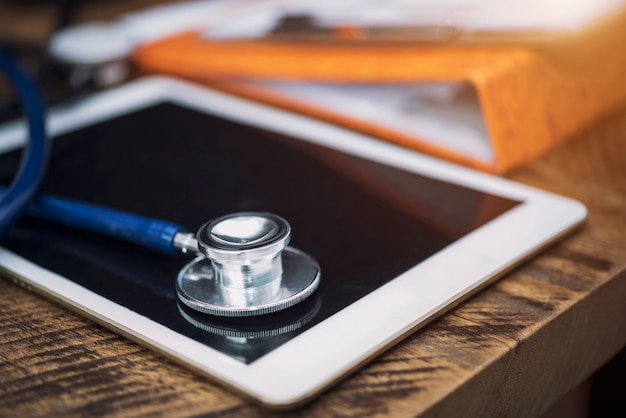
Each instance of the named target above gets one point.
<point>155,234</point>
<point>36,151</point>
<point>20,197</point>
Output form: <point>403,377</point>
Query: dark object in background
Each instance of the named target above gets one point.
<point>55,80</point>
<point>608,389</point>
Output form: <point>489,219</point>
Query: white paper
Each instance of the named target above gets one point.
<point>445,114</point>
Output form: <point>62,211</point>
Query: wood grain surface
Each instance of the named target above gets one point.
<point>511,350</point>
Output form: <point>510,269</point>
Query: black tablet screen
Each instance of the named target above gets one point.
<point>364,222</point>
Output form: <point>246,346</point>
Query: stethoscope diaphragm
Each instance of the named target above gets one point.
<point>246,267</point>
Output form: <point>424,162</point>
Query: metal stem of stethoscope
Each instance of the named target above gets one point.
<point>244,266</point>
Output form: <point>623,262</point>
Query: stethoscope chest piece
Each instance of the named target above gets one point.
<point>246,268</point>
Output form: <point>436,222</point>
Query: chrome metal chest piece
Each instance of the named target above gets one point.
<point>246,267</point>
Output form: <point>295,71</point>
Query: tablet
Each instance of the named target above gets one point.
<point>399,237</point>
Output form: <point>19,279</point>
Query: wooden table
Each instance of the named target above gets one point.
<point>514,349</point>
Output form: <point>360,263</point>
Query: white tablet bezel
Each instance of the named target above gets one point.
<point>310,362</point>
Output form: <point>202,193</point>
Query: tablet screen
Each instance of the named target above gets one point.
<point>364,222</point>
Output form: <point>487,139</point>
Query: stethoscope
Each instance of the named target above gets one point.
<point>244,266</point>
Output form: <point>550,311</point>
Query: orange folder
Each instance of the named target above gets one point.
<point>533,97</point>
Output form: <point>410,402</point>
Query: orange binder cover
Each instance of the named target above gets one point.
<point>532,98</point>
